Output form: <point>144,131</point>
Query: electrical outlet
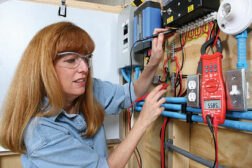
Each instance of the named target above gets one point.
<point>193,91</point>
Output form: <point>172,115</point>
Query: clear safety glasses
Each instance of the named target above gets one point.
<point>72,60</point>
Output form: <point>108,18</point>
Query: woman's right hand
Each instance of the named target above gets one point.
<point>151,108</point>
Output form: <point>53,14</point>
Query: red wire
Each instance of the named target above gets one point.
<point>184,40</point>
<point>217,35</point>
<point>191,35</point>
<point>209,30</point>
<point>183,44</point>
<point>204,29</point>
<point>164,67</point>
<point>137,160</point>
<point>199,32</point>
<point>162,142</point>
<point>180,74</point>
<point>175,82</point>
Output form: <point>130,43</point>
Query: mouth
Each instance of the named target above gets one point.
<point>81,81</point>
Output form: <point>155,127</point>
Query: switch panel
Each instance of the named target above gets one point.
<point>249,89</point>
<point>236,90</point>
<point>193,91</point>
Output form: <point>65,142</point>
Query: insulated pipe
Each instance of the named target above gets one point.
<point>241,50</point>
<point>176,99</point>
<point>232,114</point>
<point>189,155</point>
<point>125,76</point>
<point>195,118</point>
<point>237,115</point>
<point>166,106</point>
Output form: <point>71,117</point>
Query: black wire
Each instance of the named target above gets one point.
<point>210,125</point>
<point>167,76</point>
<point>139,157</point>
<point>184,94</point>
<point>183,55</point>
<point>177,80</point>
<point>212,30</point>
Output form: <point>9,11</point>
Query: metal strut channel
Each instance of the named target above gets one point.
<point>169,145</point>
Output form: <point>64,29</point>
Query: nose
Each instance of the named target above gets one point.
<point>83,67</point>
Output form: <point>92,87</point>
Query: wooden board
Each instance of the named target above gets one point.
<point>82,5</point>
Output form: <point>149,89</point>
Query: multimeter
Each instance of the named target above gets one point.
<point>213,97</point>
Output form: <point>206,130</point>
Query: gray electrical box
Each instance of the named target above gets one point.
<point>238,89</point>
<point>125,38</point>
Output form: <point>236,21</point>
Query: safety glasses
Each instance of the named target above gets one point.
<point>72,60</point>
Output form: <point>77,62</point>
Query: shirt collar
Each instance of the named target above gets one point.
<point>62,112</point>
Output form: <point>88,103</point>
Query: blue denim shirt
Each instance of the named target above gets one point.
<point>56,142</point>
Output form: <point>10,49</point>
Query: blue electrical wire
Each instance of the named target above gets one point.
<point>125,75</point>
<point>137,71</point>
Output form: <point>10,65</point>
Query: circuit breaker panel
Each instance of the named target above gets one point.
<point>125,38</point>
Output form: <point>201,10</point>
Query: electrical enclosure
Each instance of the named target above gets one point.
<point>238,88</point>
<point>179,12</point>
<point>125,38</point>
<point>147,17</point>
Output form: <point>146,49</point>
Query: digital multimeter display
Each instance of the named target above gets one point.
<point>212,104</point>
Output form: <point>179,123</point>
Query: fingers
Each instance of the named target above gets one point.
<point>156,93</point>
<point>158,30</point>
<point>158,42</point>
<point>159,94</point>
<point>161,101</point>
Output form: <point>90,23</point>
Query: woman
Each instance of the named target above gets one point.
<point>54,109</point>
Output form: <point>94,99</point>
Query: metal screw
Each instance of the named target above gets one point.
<point>169,11</point>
